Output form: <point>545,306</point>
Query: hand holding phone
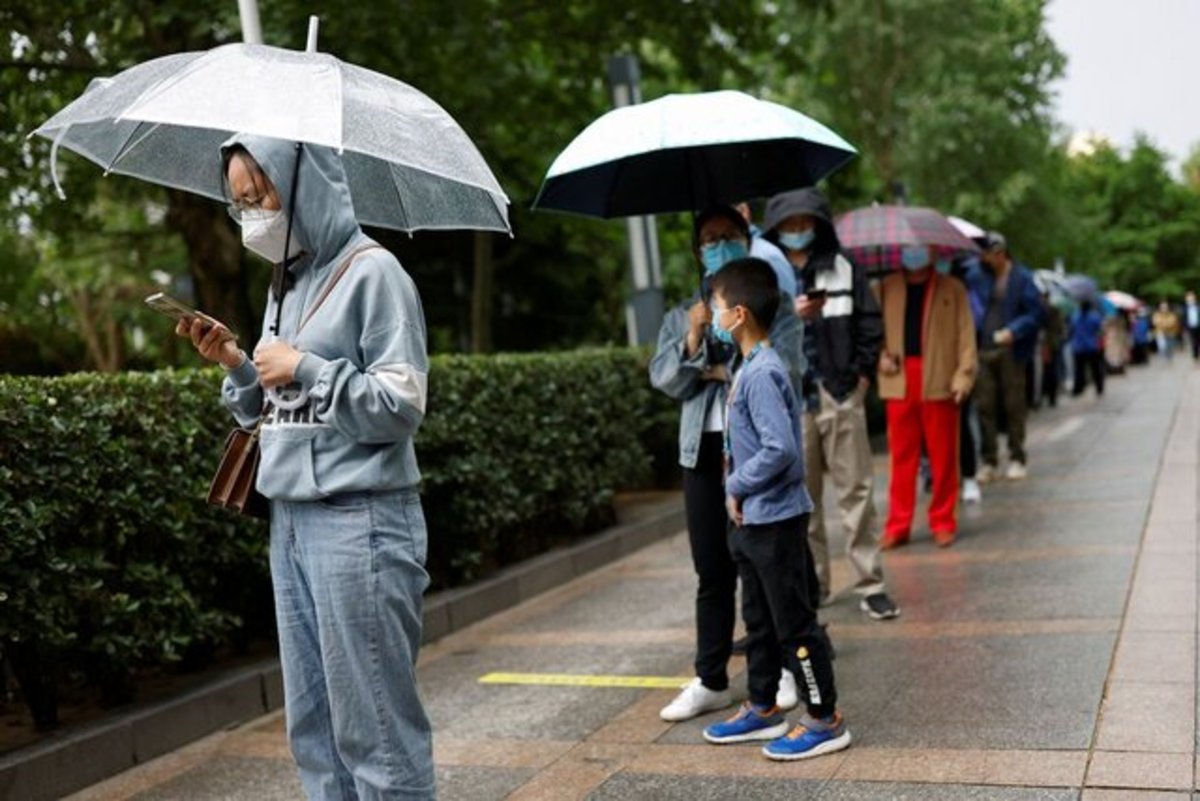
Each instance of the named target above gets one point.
<point>809,305</point>
<point>181,312</point>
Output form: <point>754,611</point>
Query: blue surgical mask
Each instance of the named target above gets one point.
<point>914,257</point>
<point>719,331</point>
<point>793,240</point>
<point>943,266</point>
<point>717,254</point>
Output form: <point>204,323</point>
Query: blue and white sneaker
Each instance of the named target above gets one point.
<point>810,738</point>
<point>748,724</point>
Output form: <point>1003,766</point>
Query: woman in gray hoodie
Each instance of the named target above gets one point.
<point>339,390</point>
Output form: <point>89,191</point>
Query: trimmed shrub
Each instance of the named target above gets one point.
<point>111,560</point>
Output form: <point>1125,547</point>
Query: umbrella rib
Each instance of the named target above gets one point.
<point>399,199</point>
<point>126,148</point>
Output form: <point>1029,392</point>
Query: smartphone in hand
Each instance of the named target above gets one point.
<point>178,310</point>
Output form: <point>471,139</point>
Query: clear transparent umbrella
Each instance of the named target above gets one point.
<point>409,164</point>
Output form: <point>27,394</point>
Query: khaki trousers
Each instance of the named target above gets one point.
<point>835,442</point>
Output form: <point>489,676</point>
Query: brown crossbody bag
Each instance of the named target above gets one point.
<point>233,485</point>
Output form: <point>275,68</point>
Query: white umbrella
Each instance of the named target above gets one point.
<point>967,228</point>
<point>1123,300</point>
<point>409,165</point>
<point>686,151</point>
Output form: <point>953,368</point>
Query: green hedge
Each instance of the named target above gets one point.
<point>111,561</point>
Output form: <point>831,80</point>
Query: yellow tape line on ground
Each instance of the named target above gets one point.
<point>575,680</point>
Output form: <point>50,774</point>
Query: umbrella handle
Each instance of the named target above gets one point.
<point>279,289</point>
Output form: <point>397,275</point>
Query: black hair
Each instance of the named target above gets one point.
<point>227,154</point>
<point>712,213</point>
<point>1085,306</point>
<point>750,283</point>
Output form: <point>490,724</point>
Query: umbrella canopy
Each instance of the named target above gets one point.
<point>875,235</point>
<point>1123,300</point>
<point>968,229</point>
<point>409,164</point>
<point>684,152</point>
<point>1081,287</point>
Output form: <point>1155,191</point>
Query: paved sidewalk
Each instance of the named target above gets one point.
<point>1050,654</point>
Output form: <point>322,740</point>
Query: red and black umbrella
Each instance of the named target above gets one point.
<point>875,235</point>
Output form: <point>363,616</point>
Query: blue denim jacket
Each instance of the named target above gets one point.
<point>766,466</point>
<point>678,377</point>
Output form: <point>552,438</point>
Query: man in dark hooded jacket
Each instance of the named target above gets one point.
<point>841,344</point>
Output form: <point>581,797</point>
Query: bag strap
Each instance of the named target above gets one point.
<point>332,282</point>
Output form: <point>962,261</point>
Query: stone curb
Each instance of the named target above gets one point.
<point>71,760</point>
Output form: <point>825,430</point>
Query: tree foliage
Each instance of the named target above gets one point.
<point>951,101</point>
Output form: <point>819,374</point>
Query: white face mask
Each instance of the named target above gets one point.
<point>264,232</point>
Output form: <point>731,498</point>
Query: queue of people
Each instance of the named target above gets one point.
<point>772,369</point>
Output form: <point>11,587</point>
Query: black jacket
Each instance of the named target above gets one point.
<point>842,345</point>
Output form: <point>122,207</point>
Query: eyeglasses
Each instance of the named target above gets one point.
<point>714,240</point>
<point>238,208</point>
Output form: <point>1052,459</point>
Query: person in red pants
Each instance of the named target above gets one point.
<point>926,370</point>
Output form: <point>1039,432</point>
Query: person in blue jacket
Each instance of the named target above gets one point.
<point>1010,314</point>
<point>694,368</point>
<point>1086,331</point>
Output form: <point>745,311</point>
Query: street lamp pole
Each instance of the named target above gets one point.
<point>644,308</point>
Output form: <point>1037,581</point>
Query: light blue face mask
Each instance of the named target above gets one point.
<point>719,331</point>
<point>943,266</point>
<point>717,254</point>
<point>797,240</point>
<point>914,257</point>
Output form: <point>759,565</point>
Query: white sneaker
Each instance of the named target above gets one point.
<point>1016,472</point>
<point>986,474</point>
<point>787,697</point>
<point>696,699</point>
<point>971,493</point>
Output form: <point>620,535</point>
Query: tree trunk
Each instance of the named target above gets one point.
<point>214,260</point>
<point>481,294</point>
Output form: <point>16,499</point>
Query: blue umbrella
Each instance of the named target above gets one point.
<point>1081,287</point>
<point>687,151</point>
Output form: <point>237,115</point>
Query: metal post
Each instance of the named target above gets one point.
<point>644,309</point>
<point>251,29</point>
<point>314,25</point>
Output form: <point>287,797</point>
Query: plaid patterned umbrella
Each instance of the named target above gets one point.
<point>874,235</point>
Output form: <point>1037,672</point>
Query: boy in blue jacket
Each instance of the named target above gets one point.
<point>767,501</point>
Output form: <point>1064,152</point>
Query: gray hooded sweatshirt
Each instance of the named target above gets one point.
<point>364,364</point>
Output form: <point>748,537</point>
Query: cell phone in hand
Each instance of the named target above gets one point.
<point>178,310</point>
<point>815,294</point>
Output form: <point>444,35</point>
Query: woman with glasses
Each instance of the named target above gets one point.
<point>693,367</point>
<point>337,386</point>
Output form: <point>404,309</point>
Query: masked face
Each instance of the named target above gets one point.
<point>719,331</point>
<point>264,234</point>
<point>797,240</point>
<point>716,255</point>
<point>914,257</point>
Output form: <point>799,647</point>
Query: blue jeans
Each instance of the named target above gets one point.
<point>348,574</point>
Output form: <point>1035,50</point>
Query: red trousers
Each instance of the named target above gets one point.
<point>911,422</point>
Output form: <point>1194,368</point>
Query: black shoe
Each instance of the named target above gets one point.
<point>739,646</point>
<point>879,607</point>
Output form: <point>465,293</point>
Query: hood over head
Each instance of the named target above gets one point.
<point>802,201</point>
<point>323,221</point>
